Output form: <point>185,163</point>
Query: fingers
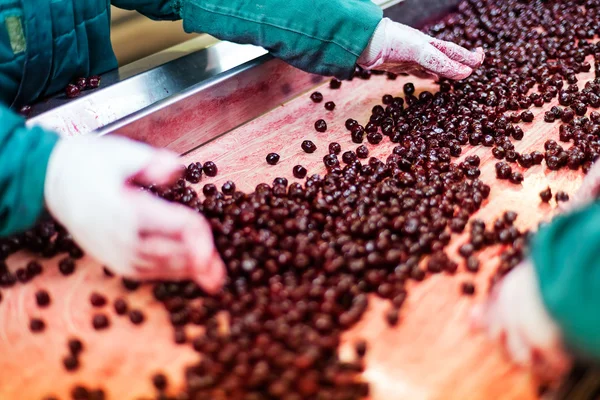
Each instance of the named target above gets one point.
<point>129,155</point>
<point>420,73</point>
<point>496,318</point>
<point>158,216</point>
<point>164,258</point>
<point>169,254</point>
<point>210,273</point>
<point>551,365</point>
<point>472,59</point>
<point>520,352</point>
<point>208,270</point>
<point>514,316</point>
<point>434,61</point>
<point>397,47</point>
<point>164,168</point>
<point>140,162</point>
<point>492,320</point>
<point>177,243</point>
<point>477,318</point>
<point>130,231</point>
<point>480,50</point>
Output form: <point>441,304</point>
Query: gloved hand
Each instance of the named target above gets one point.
<point>399,48</point>
<point>88,190</point>
<point>515,315</point>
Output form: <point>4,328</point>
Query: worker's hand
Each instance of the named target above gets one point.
<point>88,189</point>
<point>515,315</point>
<point>587,192</point>
<point>399,48</point>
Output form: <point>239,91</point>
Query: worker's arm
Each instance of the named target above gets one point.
<point>322,36</point>
<point>24,153</point>
<point>514,314</point>
<point>154,9</point>
<point>88,189</point>
<point>84,183</point>
<point>565,257</point>
<point>548,305</point>
<point>327,37</point>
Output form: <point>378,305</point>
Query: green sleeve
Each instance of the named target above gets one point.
<point>566,255</point>
<point>319,36</point>
<point>24,154</point>
<point>154,9</point>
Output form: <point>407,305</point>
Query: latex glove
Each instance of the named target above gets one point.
<point>587,192</point>
<point>134,233</point>
<point>399,48</point>
<point>515,315</point>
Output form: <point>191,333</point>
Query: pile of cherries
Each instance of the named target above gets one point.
<point>301,262</point>
<point>303,259</point>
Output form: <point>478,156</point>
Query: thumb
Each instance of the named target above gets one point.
<point>477,318</point>
<point>167,259</point>
<point>176,241</point>
<point>163,168</point>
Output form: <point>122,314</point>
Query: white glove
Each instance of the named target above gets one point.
<point>399,48</point>
<point>134,233</point>
<point>515,315</point>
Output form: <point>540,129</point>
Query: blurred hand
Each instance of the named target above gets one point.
<point>587,192</point>
<point>515,315</point>
<point>132,232</point>
<point>399,48</point>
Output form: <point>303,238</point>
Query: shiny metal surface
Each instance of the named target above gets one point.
<point>192,99</point>
<point>205,111</point>
<point>126,91</point>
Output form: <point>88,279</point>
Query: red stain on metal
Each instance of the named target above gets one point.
<point>193,120</point>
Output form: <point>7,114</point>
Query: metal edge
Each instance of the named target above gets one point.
<point>211,82</point>
<point>123,92</point>
<point>214,107</point>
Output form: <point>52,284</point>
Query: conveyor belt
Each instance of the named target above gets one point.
<point>432,354</point>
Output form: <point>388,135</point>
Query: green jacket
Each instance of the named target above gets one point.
<point>565,254</point>
<point>45,44</point>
